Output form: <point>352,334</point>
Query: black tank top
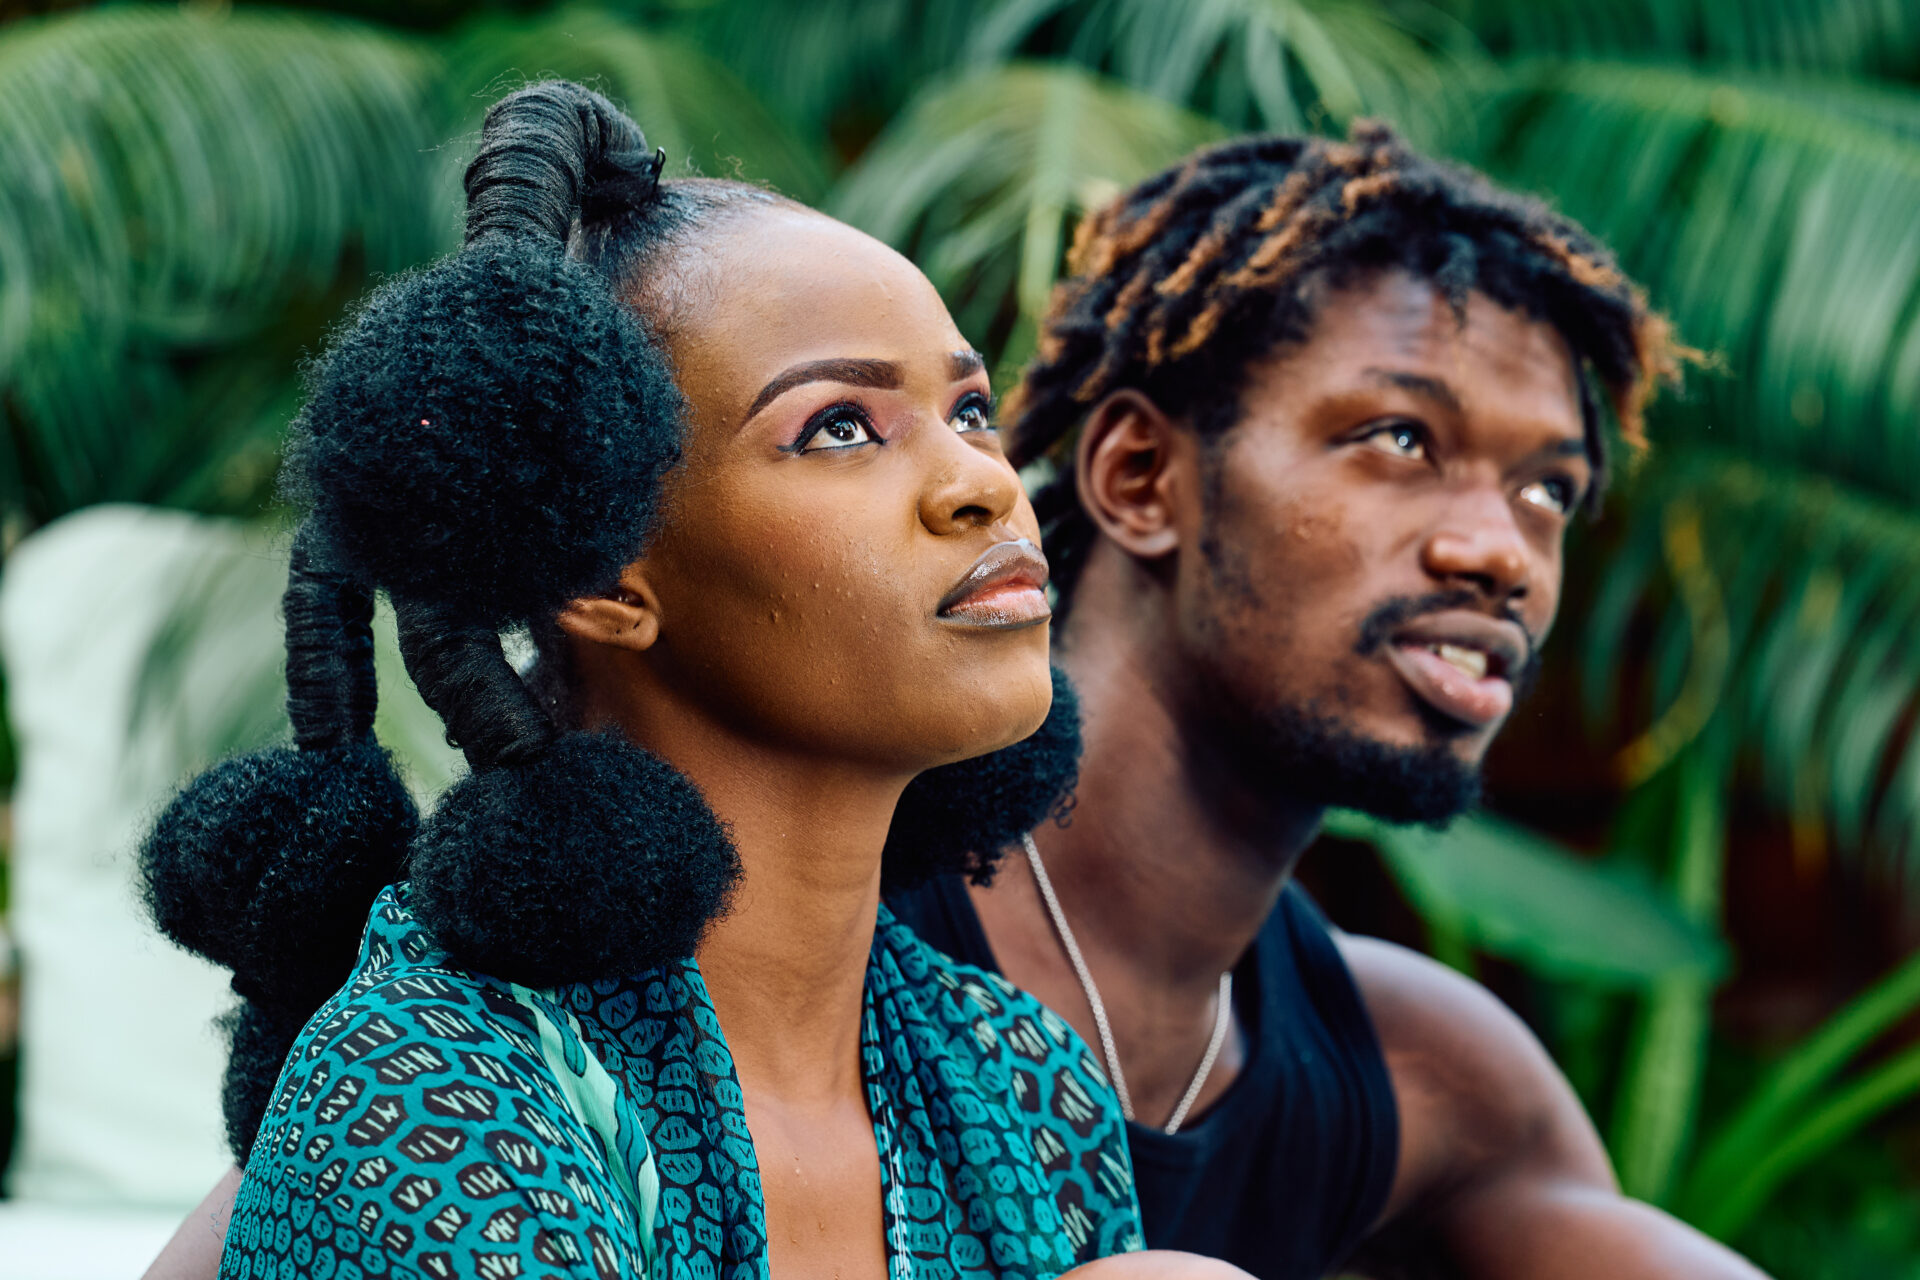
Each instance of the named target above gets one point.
<point>1284,1174</point>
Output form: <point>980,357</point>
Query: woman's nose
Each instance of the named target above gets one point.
<point>968,486</point>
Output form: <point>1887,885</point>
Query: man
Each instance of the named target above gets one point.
<point>1321,415</point>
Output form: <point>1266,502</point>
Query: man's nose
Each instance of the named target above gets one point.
<point>1480,545</point>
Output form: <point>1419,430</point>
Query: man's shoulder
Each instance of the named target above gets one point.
<point>1476,1090</point>
<point>1431,1018</point>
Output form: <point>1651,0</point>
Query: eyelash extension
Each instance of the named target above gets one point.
<point>818,422</point>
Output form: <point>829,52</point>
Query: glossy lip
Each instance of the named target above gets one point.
<point>1004,588</point>
<point>1477,703</point>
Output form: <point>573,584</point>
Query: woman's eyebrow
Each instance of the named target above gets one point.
<point>882,374</point>
<point>964,364</point>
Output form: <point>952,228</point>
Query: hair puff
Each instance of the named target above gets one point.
<point>962,817</point>
<point>596,860</point>
<point>258,1039</point>
<point>265,864</point>
<point>489,433</point>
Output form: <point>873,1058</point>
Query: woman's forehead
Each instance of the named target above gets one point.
<point>786,286</point>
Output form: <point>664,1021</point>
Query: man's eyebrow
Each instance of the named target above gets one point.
<point>1419,384</point>
<point>1565,448</point>
<point>882,374</point>
<point>964,364</point>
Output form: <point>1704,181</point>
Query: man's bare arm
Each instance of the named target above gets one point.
<point>1501,1174</point>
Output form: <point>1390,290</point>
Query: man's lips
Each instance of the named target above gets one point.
<point>1461,663</point>
<point>1004,588</point>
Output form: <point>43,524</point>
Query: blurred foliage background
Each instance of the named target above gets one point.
<point>1700,886</point>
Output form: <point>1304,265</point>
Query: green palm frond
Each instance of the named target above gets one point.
<point>836,69</point>
<point>980,179</point>
<point>1288,65</point>
<point>703,115</point>
<point>175,186</point>
<point>1785,607</point>
<point>1879,36</point>
<point>1516,894</point>
<point>1775,223</point>
<point>178,178</point>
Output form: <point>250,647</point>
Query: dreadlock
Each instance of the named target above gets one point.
<point>1179,286</point>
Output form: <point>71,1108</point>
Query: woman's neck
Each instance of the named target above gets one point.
<point>786,965</point>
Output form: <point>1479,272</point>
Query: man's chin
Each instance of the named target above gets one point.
<point>1327,761</point>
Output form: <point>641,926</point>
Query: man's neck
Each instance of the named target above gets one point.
<point>1172,860</point>
<point>1173,857</point>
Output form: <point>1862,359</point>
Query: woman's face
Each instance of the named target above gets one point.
<point>847,565</point>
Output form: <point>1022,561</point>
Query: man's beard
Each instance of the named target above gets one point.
<point>1317,757</point>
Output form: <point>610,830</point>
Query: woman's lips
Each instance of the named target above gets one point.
<point>1006,587</point>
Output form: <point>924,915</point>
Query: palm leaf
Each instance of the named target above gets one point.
<point>981,177</point>
<point>1289,65</point>
<point>1775,223</point>
<point>1807,657</point>
<point>175,186</point>
<point>836,69</point>
<point>1805,35</point>
<point>703,115</point>
<point>1518,895</point>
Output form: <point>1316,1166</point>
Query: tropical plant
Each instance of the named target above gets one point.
<point>189,197</point>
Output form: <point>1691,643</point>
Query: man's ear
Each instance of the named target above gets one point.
<point>628,617</point>
<point>1134,467</point>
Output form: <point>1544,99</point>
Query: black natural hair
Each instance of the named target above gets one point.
<point>485,441</point>
<point>266,863</point>
<point>1178,287</point>
<point>961,818</point>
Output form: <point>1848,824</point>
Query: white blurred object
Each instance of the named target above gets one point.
<point>139,645</point>
<point>120,1064</point>
<point>53,1242</point>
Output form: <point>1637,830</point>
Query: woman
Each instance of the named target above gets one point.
<point>528,1072</point>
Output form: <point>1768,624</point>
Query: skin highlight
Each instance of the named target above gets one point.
<point>1399,453</point>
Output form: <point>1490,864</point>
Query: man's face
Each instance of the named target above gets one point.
<point>1380,543</point>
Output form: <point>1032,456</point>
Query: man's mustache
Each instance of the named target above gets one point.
<point>1386,618</point>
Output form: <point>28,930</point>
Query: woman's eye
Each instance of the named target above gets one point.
<point>1401,439</point>
<point>841,428</point>
<point>1555,494</point>
<point>973,415</point>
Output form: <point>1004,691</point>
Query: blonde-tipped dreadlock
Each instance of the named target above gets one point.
<point>1179,285</point>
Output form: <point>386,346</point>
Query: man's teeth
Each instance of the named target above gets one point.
<point>1471,662</point>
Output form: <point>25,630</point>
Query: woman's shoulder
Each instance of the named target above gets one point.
<point>1022,1062</point>
<point>983,1013</point>
<point>442,1119</point>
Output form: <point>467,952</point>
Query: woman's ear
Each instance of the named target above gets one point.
<point>628,617</point>
<point>1134,466</point>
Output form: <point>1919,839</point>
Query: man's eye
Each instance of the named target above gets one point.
<point>839,428</point>
<point>1555,494</point>
<point>1401,439</point>
<point>974,414</point>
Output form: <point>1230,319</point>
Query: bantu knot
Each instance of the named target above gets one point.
<point>595,860</point>
<point>963,817</point>
<point>266,863</point>
<point>489,434</point>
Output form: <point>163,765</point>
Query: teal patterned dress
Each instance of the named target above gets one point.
<point>433,1122</point>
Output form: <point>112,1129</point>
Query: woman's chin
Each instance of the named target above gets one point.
<point>1011,710</point>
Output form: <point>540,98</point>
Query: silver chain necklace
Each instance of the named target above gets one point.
<point>1222,1012</point>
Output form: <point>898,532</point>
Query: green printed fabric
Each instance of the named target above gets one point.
<point>433,1122</point>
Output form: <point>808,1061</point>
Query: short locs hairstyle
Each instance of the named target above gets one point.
<point>1180,285</point>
